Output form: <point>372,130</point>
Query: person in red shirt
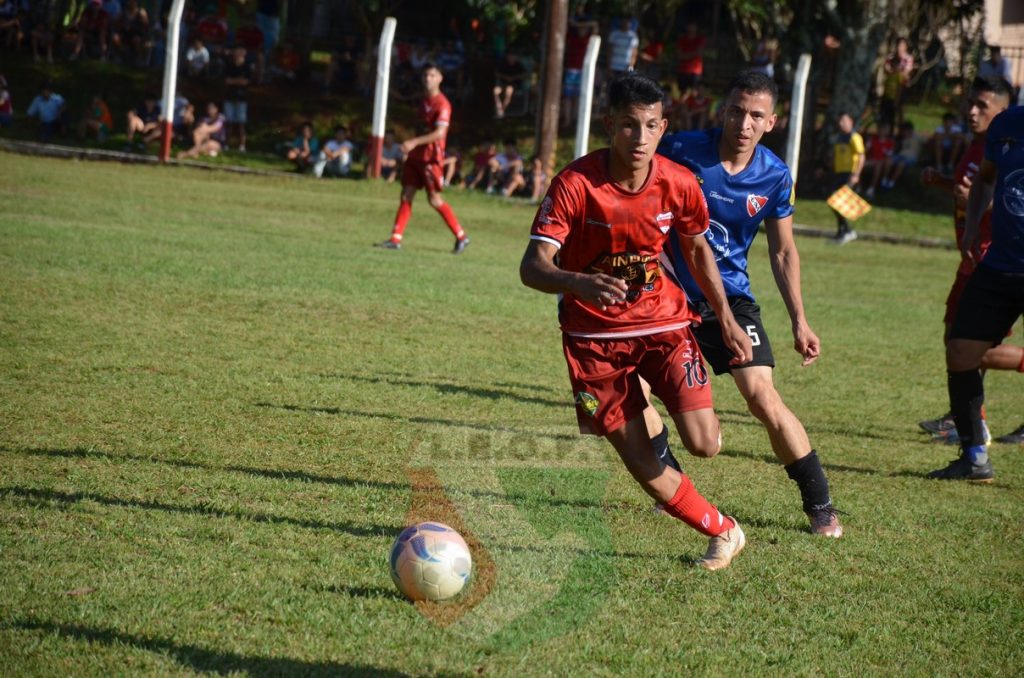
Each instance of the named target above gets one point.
<point>881,147</point>
<point>987,98</point>
<point>690,52</point>
<point>423,166</point>
<point>596,241</point>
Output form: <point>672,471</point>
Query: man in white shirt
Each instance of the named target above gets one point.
<point>336,156</point>
<point>623,43</point>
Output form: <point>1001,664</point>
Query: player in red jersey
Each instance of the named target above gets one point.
<point>987,98</point>
<point>596,241</point>
<point>423,163</point>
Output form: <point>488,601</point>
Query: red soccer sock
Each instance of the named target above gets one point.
<point>690,507</point>
<point>448,215</point>
<point>401,219</point>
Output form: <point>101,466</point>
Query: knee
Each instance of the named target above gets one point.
<point>764,404</point>
<point>707,445</point>
<point>436,201</point>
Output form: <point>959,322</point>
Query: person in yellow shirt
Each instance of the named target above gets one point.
<point>847,162</point>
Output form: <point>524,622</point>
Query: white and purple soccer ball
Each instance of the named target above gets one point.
<point>430,561</point>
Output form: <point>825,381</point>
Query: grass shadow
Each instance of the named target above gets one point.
<point>452,388</point>
<point>205,660</point>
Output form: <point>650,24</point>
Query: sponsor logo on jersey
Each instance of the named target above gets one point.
<point>595,222</point>
<point>639,271</point>
<point>715,195</point>
<point>717,236</point>
<point>587,403</point>
<point>755,203</point>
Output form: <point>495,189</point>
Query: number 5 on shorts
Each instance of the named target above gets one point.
<point>755,339</point>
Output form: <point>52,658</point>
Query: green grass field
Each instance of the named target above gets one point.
<point>219,405</point>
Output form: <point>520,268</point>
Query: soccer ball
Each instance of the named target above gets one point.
<point>430,561</point>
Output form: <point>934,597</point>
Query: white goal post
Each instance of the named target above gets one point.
<point>170,78</point>
<point>380,98</point>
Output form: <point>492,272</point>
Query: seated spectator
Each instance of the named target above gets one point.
<point>197,58</point>
<point>97,121</point>
<point>881,148</point>
<point>184,118</point>
<point>530,184</point>
<point>692,110</point>
<point>6,104</point>
<point>504,167</point>
<point>49,107</point>
<point>335,159</point>
<point>305,149</point>
<point>10,25</point>
<point>144,121</point>
<point>451,163</point>
<point>908,152</point>
<point>92,29</point>
<point>131,34</point>
<point>44,22</point>
<point>947,143</point>
<point>391,157</point>
<point>509,75</point>
<point>481,173</point>
<point>209,136</point>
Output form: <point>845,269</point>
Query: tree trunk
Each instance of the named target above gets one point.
<point>864,28</point>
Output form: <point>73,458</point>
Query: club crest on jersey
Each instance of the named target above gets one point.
<point>587,403</point>
<point>755,203</point>
<point>664,216</point>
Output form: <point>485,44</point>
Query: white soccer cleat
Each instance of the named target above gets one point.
<point>723,548</point>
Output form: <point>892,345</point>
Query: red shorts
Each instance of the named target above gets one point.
<point>428,175</point>
<point>953,300</point>
<point>605,376</point>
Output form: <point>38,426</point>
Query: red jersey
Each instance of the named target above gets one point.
<point>435,111</point>
<point>968,167</point>
<point>692,65</point>
<point>880,148</point>
<point>575,50</point>
<point>599,227</point>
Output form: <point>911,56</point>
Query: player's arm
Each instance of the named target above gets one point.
<point>700,259</point>
<point>539,271</point>
<point>439,132</point>
<point>785,260</point>
<point>978,201</point>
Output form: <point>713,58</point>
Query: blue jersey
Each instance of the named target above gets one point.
<point>1004,147</point>
<point>737,204</point>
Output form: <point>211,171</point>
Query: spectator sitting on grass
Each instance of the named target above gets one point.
<point>48,106</point>
<point>482,165</point>
<point>504,167</point>
<point>209,136</point>
<point>335,160</point>
<point>451,164</point>
<point>391,157</point>
<point>305,149</point>
<point>97,120</point>
<point>529,184</point>
<point>144,121</point>
<point>184,118</point>
<point>908,152</point>
<point>947,143</point>
<point>6,105</point>
<point>881,147</point>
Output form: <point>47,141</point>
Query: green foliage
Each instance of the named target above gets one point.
<point>212,388</point>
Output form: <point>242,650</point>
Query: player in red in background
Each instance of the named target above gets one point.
<point>596,241</point>
<point>423,165</point>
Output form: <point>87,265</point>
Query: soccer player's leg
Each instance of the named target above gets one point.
<point>658,431</point>
<point>434,183</point>
<point>412,180</point>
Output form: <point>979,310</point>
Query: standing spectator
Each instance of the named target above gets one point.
<point>305,149</point>
<point>10,25</point>
<point>763,58</point>
<point>908,152</point>
<point>451,60</point>
<point>509,75</point>
<point>847,164</point>
<point>623,44</point>
<point>343,69</point>
<point>97,120</point>
<point>995,66</point>
<point>144,120</point>
<point>130,35</point>
<point>268,19</point>
<point>197,58</point>
<point>881,148</point>
<point>44,22</point>
<point>897,70</point>
<point>947,143</point>
<point>690,53</point>
<point>6,104</point>
<point>49,107</point>
<point>113,9</point>
<point>238,74</point>
<point>649,58</point>
<point>209,136</point>
<point>422,168</point>
<point>576,40</point>
<point>92,29</point>
<point>335,159</point>
<point>391,157</point>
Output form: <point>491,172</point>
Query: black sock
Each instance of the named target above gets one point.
<point>966,396</point>
<point>664,452</point>
<point>810,478</point>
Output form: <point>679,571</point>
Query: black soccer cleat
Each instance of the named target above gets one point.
<point>460,245</point>
<point>940,425</point>
<point>389,245</point>
<point>1013,437</point>
<point>961,468</point>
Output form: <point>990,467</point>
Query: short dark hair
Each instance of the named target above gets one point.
<point>995,84</point>
<point>754,82</point>
<point>633,90</point>
<point>430,66</point>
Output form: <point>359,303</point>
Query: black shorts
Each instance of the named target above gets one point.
<point>709,335</point>
<point>991,303</point>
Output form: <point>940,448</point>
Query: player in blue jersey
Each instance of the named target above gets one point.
<point>993,299</point>
<point>746,184</point>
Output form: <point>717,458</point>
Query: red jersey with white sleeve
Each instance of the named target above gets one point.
<point>435,111</point>
<point>968,167</point>
<point>599,227</point>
